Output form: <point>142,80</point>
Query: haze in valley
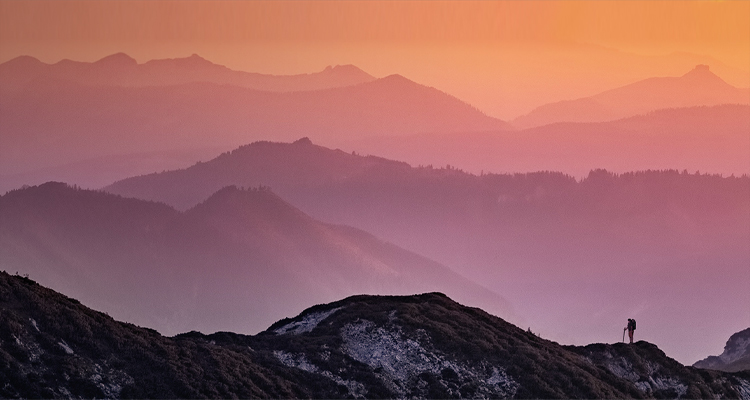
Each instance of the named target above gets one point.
<point>222,165</point>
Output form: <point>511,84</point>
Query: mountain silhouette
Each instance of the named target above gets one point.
<point>699,87</point>
<point>237,261</point>
<point>420,346</point>
<point>286,167</point>
<point>122,70</point>
<point>709,139</point>
<point>545,240</point>
<point>83,121</point>
<point>735,357</point>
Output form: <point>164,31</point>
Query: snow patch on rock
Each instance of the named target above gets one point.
<point>401,360</point>
<point>668,383</point>
<point>744,389</point>
<point>300,361</point>
<point>652,382</point>
<point>33,323</point>
<point>110,382</point>
<point>32,348</point>
<point>295,361</point>
<point>621,367</point>
<point>65,347</point>
<point>306,324</point>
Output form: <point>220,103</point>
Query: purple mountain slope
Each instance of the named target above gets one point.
<point>710,139</point>
<point>237,261</point>
<point>540,238</point>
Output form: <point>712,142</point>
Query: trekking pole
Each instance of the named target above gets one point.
<point>623,335</point>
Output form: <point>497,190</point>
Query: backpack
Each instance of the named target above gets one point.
<point>632,324</point>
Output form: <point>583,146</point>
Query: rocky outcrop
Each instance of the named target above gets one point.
<point>421,346</point>
<point>736,355</point>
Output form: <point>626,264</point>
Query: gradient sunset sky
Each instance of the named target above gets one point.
<point>502,57</point>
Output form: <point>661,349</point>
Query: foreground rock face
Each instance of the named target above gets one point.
<point>736,355</point>
<point>423,346</point>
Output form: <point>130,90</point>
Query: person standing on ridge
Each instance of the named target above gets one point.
<point>630,328</point>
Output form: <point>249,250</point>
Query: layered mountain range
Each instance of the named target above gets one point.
<point>237,261</point>
<point>696,122</point>
<point>699,87</point>
<point>706,138</point>
<point>114,118</point>
<point>576,251</point>
<point>536,238</point>
<point>122,70</point>
<point>423,346</point>
<point>199,108</point>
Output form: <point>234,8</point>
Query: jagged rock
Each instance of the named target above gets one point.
<point>736,355</point>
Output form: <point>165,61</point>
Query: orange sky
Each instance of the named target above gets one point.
<point>503,57</point>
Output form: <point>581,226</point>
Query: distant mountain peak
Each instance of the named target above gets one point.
<point>261,199</point>
<point>196,58</point>
<point>396,78</point>
<point>303,141</point>
<point>698,87</point>
<point>347,71</point>
<point>193,61</point>
<point>23,60</point>
<point>117,59</point>
<point>343,68</point>
<point>701,72</point>
<point>396,81</point>
<point>701,67</point>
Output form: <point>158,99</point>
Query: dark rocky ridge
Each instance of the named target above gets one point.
<point>422,346</point>
<point>736,355</point>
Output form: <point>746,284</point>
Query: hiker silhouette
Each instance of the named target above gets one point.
<point>630,328</point>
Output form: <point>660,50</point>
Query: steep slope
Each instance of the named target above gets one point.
<point>237,261</point>
<point>83,121</point>
<point>122,70</point>
<point>595,247</point>
<point>699,87</point>
<point>736,355</point>
<point>423,346</point>
<point>708,139</point>
<point>51,346</point>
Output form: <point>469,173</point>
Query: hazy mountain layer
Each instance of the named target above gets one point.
<point>736,355</point>
<point>707,139</point>
<point>238,261</point>
<point>51,121</point>
<point>664,247</point>
<point>424,346</point>
<point>122,70</point>
<point>699,87</point>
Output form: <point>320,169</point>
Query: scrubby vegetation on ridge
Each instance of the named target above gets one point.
<point>51,346</point>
